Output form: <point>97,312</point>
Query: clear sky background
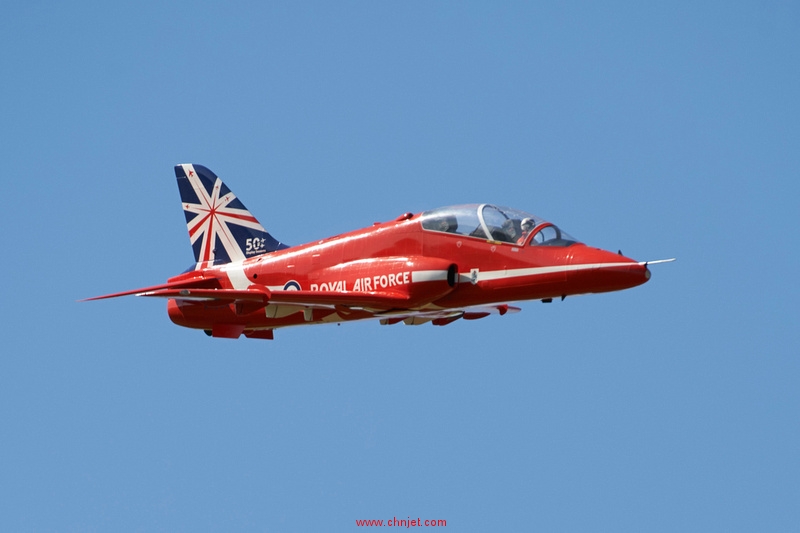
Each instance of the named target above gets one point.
<point>667,130</point>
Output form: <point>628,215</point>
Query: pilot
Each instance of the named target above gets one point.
<point>447,224</point>
<point>511,228</point>
<point>527,226</point>
<point>440,225</point>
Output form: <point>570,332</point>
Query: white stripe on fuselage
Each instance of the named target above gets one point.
<point>239,280</point>
<point>490,275</point>
<point>428,275</point>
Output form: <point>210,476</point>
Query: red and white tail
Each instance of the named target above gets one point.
<point>221,229</point>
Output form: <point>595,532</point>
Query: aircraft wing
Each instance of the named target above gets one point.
<point>312,299</point>
<point>443,317</point>
<point>221,296</point>
<point>388,307</point>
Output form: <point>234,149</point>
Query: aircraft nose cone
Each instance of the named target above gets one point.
<point>595,270</point>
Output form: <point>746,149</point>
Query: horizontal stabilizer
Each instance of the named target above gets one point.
<point>221,295</point>
<point>195,283</point>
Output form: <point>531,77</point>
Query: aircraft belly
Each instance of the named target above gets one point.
<point>200,316</point>
<point>281,311</point>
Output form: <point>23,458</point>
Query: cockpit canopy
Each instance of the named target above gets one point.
<point>495,223</point>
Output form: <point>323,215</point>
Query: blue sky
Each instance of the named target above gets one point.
<point>661,130</point>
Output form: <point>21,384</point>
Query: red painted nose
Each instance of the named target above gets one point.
<point>596,270</point>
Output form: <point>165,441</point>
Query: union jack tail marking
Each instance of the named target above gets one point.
<point>221,229</point>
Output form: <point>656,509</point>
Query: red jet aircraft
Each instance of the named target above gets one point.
<point>465,261</point>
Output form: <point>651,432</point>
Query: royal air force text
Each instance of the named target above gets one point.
<point>367,284</point>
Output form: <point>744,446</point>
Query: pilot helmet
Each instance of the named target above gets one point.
<point>528,223</point>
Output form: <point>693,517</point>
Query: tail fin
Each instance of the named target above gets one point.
<point>221,229</point>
